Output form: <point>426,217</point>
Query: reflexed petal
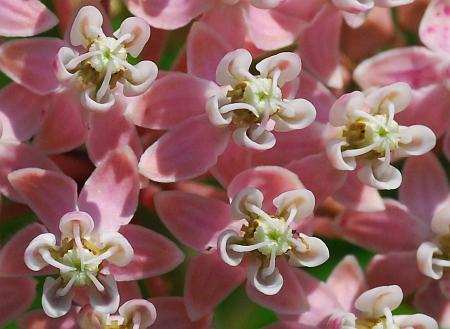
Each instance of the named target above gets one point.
<point>313,170</point>
<point>208,270</point>
<point>110,131</point>
<point>243,137</point>
<point>341,111</point>
<point>50,194</point>
<point>376,175</point>
<point>425,254</point>
<point>268,285</point>
<point>12,253</point>
<point>154,254</point>
<point>21,112</point>
<point>302,200</point>
<point>17,294</point>
<point>424,186</point>
<point>197,221</point>
<point>416,66</point>
<point>353,6</point>
<point>175,315</point>
<point>243,200</point>
<point>65,111</point>
<point>205,49</point>
<point>145,309</point>
<point>110,195</point>
<point>172,159</point>
<point>347,282</point>
<point>319,46</point>
<point>416,321</point>
<point>369,228</point>
<point>170,100</point>
<point>388,269</point>
<point>25,18</point>
<point>167,15</point>
<point>29,62</point>
<point>434,30</point>
<point>336,158</point>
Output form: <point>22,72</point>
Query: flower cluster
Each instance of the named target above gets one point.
<point>140,195</point>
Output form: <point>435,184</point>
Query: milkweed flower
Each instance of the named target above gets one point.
<point>368,134</point>
<point>104,62</point>
<point>245,106</point>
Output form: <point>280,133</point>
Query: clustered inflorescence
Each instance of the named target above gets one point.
<point>268,129</point>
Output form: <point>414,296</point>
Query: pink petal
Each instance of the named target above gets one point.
<point>434,30</point>
<point>357,196</point>
<point>109,131</point>
<point>271,29</point>
<point>16,295</point>
<point>321,299</point>
<point>347,282</point>
<point>170,100</point>
<point>37,319</point>
<point>172,314</point>
<point>167,15</point>
<point>234,160</point>
<point>369,228</point>
<point>294,145</point>
<point>25,18</point>
<point>424,186</point>
<point>290,300</point>
<point>21,112</point>
<point>270,180</point>
<point>209,270</point>
<point>314,91</point>
<point>11,255</point>
<point>154,254</point>
<point>50,194</point>
<point>64,112</point>
<point>205,49</point>
<point>319,46</point>
<point>194,220</point>
<point>128,290</point>
<point>110,195</point>
<point>29,62</point>
<point>430,300</point>
<point>15,156</point>
<point>313,170</point>
<point>173,158</point>
<point>417,66</point>
<point>433,97</point>
<point>221,16</point>
<point>398,268</point>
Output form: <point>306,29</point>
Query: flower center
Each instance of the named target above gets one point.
<point>86,264</point>
<point>261,93</point>
<point>117,322</point>
<point>108,52</point>
<point>275,234</point>
<point>377,131</point>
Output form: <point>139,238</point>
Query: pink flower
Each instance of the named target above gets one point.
<point>16,295</point>
<point>265,203</point>
<point>83,243</point>
<point>243,106</point>
<point>340,303</point>
<point>104,60</point>
<point>368,134</point>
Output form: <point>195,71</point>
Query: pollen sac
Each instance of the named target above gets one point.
<point>254,106</point>
<point>367,133</point>
<point>80,257</point>
<point>263,237</point>
<point>104,63</point>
